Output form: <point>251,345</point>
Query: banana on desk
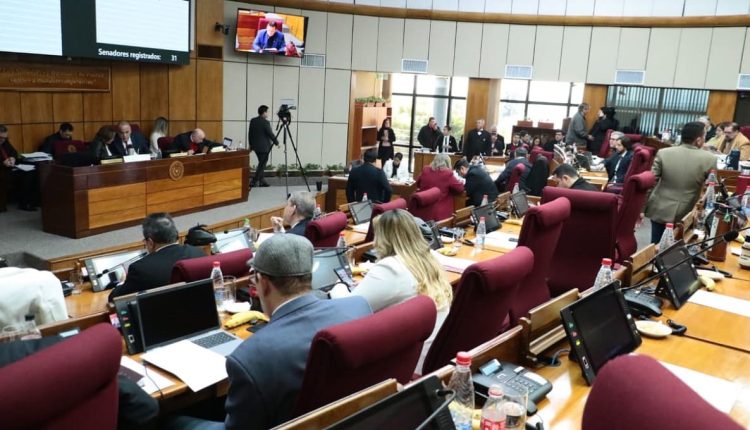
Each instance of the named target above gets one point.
<point>243,317</point>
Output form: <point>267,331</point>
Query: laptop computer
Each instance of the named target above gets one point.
<point>361,211</point>
<point>325,263</point>
<point>230,240</point>
<point>174,313</point>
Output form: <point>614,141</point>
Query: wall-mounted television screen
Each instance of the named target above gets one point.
<point>270,33</point>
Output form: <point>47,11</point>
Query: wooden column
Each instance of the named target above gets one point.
<point>721,105</point>
<point>596,97</point>
<point>477,102</point>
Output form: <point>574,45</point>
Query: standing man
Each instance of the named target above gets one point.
<point>478,183</point>
<point>64,133</point>
<point>477,142</point>
<point>577,134</point>
<point>260,136</point>
<point>128,142</point>
<point>429,134</point>
<point>368,179</point>
<point>447,143</point>
<point>680,173</point>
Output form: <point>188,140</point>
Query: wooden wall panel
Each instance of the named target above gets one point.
<point>210,12</point>
<point>10,107</point>
<point>721,105</point>
<point>15,136</point>
<point>177,127</point>
<point>97,107</point>
<point>154,91</point>
<point>126,92</point>
<point>210,90</point>
<point>213,129</point>
<point>36,107</point>
<point>477,102</point>
<point>67,107</point>
<point>596,97</point>
<point>33,135</point>
<point>90,129</point>
<point>182,93</point>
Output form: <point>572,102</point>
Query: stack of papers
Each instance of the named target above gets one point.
<point>196,366</point>
<point>498,239</point>
<point>452,264</point>
<point>362,228</point>
<point>37,156</point>
<point>151,383</point>
<point>721,302</point>
<point>25,167</point>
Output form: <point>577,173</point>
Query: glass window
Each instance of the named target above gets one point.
<point>554,92</point>
<point>433,85</point>
<point>401,112</point>
<point>460,87</point>
<point>513,89</point>
<point>649,110</point>
<point>402,83</point>
<point>430,106</point>
<point>458,117</point>
<point>547,113</point>
<point>537,101</point>
<point>576,93</point>
<point>510,113</point>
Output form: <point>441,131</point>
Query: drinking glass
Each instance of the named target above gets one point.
<point>515,409</point>
<point>10,333</point>
<point>350,257</point>
<point>76,279</point>
<point>230,290</point>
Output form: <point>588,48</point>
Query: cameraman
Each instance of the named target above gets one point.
<point>260,135</point>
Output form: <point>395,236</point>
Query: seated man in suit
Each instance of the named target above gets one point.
<point>155,270</point>
<point>368,179</point>
<point>478,182</point>
<point>298,211</point>
<point>567,177</point>
<point>64,133</point>
<point>618,163</point>
<point>271,39</point>
<point>192,142</point>
<point>504,177</point>
<point>128,142</point>
<point>549,146</point>
<point>266,370</point>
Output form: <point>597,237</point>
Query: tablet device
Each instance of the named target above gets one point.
<point>361,211</point>
<point>436,242</point>
<point>519,204</point>
<point>325,263</point>
<point>679,283</point>
<point>599,328</point>
<point>230,240</point>
<point>491,221</point>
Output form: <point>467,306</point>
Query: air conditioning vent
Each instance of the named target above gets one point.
<point>743,82</point>
<point>515,71</point>
<point>413,66</point>
<point>314,60</point>
<point>630,77</point>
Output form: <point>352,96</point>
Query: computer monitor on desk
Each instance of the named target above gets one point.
<point>680,279</point>
<point>111,268</point>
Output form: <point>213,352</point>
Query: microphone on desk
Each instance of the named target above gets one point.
<point>449,396</point>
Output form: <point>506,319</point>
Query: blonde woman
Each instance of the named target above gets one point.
<point>161,126</point>
<point>439,174</point>
<point>404,269</point>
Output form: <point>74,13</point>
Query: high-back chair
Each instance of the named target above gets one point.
<point>587,237</point>
<point>641,162</point>
<point>349,357</point>
<point>668,403</point>
<point>633,198</point>
<point>541,230</point>
<point>380,208</point>
<point>324,232</point>
<point>232,264</point>
<point>69,385</point>
<point>421,204</point>
<point>537,151</point>
<point>480,305</point>
<point>515,177</point>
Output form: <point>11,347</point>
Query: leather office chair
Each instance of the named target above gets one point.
<point>324,232</point>
<point>640,162</point>
<point>165,142</point>
<point>537,151</point>
<point>587,237</point>
<point>515,177</point>
<point>62,147</point>
<point>480,306</point>
<point>349,357</point>
<point>422,204</point>
<point>745,130</point>
<point>380,208</point>
<point>194,269</point>
<point>540,233</point>
<point>605,148</point>
<point>633,198</point>
<point>69,385</point>
<point>263,22</point>
<point>643,394</point>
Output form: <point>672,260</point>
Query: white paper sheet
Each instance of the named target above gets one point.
<point>498,239</point>
<point>25,167</point>
<point>719,393</point>
<point>261,238</point>
<point>721,302</point>
<point>196,366</point>
<point>37,155</point>
<point>452,264</point>
<point>155,380</point>
<point>362,228</point>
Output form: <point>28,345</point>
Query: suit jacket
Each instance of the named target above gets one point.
<point>155,269</point>
<point>183,143</point>
<point>98,150</point>
<point>617,172</point>
<point>582,184</point>
<point>479,183</point>
<point>49,142</point>
<point>7,150</point>
<point>477,143</point>
<point>140,144</point>
<point>368,179</point>
<point>680,172</point>
<point>260,135</point>
<point>599,130</point>
<point>499,145</point>
<point>448,185</point>
<point>299,228</point>
<point>263,41</point>
<point>452,144</point>
<point>740,143</point>
<point>266,370</point>
<point>427,137</point>
<point>505,175</point>
<point>577,130</point>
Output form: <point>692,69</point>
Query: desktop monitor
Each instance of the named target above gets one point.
<point>679,283</point>
<point>230,240</point>
<point>519,203</point>
<point>361,211</point>
<point>268,33</point>
<point>599,328</point>
<point>491,221</point>
<point>325,263</point>
<point>104,270</point>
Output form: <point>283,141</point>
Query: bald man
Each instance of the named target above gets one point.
<point>128,141</point>
<point>191,142</point>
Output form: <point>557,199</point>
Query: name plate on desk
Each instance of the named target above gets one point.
<point>111,161</point>
<point>136,157</point>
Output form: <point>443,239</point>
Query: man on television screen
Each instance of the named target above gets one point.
<point>270,40</point>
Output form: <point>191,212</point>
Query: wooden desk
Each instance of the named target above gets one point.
<point>81,201</point>
<point>336,194</point>
<point>422,159</point>
<point>86,303</point>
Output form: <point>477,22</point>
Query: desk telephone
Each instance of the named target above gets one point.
<point>511,377</point>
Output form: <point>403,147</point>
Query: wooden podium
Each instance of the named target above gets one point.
<point>82,201</point>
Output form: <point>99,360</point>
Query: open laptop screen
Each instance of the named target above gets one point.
<point>231,240</point>
<point>361,211</point>
<point>325,261</point>
<point>175,313</point>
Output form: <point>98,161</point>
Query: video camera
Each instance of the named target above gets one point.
<point>284,113</point>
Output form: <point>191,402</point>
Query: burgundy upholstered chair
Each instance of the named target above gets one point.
<point>349,357</point>
<point>537,151</point>
<point>480,305</point>
<point>515,177</point>
<point>378,209</point>
<point>605,148</point>
<point>165,142</point>
<point>540,232</point>
<point>232,264</point>
<point>633,198</point>
<point>618,400</point>
<point>745,130</point>
<point>640,162</point>
<point>587,237</point>
<point>62,147</point>
<point>69,385</point>
<point>421,204</point>
<point>324,232</point>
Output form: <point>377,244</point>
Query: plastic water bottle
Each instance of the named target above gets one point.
<point>710,196</point>
<point>481,235</point>
<point>342,241</point>
<point>746,203</point>
<point>485,201</point>
<point>317,212</point>
<point>30,330</point>
<point>604,277</point>
<point>217,278</point>
<point>667,238</point>
<point>515,188</point>
<point>712,177</point>
<point>493,412</point>
<point>462,407</point>
<point>364,197</point>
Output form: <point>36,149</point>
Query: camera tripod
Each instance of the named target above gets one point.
<point>283,127</point>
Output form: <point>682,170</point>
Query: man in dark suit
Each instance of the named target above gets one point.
<point>192,142</point>
<point>64,133</point>
<point>577,133</point>
<point>504,177</point>
<point>270,40</point>
<point>129,142</point>
<point>618,163</point>
<point>478,182</point>
<point>368,179</point>
<point>297,213</point>
<point>155,269</point>
<point>266,370</point>
<point>497,142</point>
<point>260,137</point>
<point>549,146</point>
<point>567,177</point>
<point>477,142</point>
<point>446,142</point>
<point>429,134</point>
